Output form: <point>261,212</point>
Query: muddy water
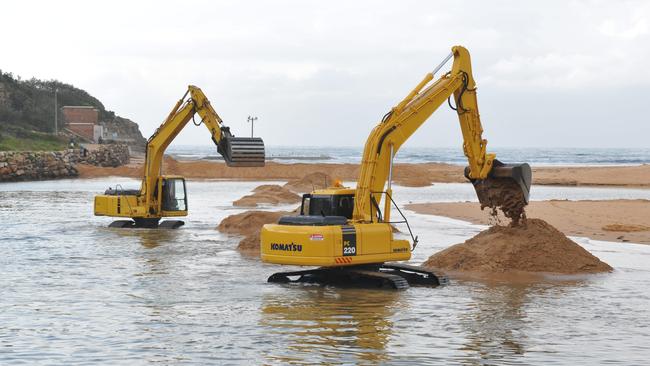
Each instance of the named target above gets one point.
<point>76,292</point>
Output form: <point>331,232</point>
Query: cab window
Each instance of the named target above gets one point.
<point>174,198</point>
<point>329,205</point>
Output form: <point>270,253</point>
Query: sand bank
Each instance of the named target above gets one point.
<point>405,174</point>
<point>267,194</point>
<point>414,175</point>
<point>615,220</point>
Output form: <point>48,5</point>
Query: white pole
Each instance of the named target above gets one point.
<point>252,121</point>
<point>390,168</point>
<point>56,115</point>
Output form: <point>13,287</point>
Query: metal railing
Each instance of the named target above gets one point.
<point>379,215</point>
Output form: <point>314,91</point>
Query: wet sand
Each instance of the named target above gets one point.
<point>609,220</point>
<point>412,175</point>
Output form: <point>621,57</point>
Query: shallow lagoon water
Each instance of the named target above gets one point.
<point>76,292</point>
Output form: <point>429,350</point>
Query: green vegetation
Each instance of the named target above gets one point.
<point>43,143</point>
<point>27,114</point>
<point>17,139</point>
<point>29,104</point>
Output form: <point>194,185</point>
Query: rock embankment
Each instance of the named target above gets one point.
<point>41,165</point>
<point>112,155</point>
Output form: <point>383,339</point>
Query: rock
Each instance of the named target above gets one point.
<point>27,165</point>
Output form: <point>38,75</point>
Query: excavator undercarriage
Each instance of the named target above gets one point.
<point>385,275</point>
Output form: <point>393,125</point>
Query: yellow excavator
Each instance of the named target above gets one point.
<point>165,195</point>
<point>346,231</point>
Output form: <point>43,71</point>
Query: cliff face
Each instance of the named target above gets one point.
<point>125,131</point>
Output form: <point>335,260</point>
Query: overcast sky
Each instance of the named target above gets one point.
<point>549,73</point>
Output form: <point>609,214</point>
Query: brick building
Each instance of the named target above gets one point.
<point>83,121</point>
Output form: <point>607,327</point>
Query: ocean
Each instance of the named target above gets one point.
<point>533,156</point>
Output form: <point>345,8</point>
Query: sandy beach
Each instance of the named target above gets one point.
<point>609,220</point>
<point>412,175</point>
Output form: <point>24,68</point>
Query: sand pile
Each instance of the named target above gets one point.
<point>532,246</point>
<point>248,224</point>
<point>310,182</point>
<point>268,193</point>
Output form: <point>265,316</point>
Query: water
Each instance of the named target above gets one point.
<point>533,156</point>
<point>76,292</point>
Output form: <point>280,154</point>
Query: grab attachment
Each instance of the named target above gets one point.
<point>241,151</point>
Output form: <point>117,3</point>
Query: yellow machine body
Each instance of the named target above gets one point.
<point>172,203</point>
<point>330,245</point>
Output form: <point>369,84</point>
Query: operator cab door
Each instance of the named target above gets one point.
<point>173,197</point>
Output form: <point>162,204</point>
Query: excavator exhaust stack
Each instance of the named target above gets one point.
<point>242,151</point>
<point>507,187</point>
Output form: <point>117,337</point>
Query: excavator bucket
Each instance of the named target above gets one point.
<point>242,151</point>
<point>507,187</point>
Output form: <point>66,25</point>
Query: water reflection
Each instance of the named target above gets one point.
<point>497,322</point>
<point>330,325</point>
<point>146,237</point>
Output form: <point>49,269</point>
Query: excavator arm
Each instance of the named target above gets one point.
<point>405,118</point>
<point>236,151</point>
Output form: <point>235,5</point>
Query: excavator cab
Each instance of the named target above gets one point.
<point>339,204</point>
<point>331,206</point>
